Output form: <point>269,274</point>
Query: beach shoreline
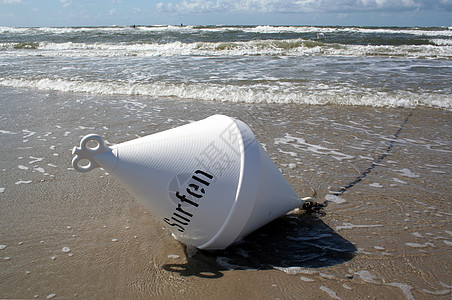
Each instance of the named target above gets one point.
<point>386,237</point>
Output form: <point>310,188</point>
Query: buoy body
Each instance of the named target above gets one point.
<point>210,182</point>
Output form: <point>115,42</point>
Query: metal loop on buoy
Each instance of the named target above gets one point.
<point>85,152</point>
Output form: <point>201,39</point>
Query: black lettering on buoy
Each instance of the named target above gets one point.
<point>195,187</point>
<point>182,216</point>
<point>177,220</point>
<point>183,198</point>
<point>178,208</point>
<point>199,179</point>
<point>167,221</point>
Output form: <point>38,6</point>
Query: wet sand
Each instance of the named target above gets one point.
<point>386,233</point>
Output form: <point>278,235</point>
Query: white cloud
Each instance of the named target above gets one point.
<point>12,1</point>
<point>411,3</point>
<point>66,3</point>
<point>201,6</point>
<point>380,3</point>
<point>221,6</point>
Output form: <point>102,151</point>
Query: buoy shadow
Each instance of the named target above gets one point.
<point>297,240</point>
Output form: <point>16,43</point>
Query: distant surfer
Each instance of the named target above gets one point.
<point>320,36</point>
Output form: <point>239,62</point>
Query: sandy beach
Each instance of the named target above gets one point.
<point>386,233</point>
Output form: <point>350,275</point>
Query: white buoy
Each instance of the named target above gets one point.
<point>210,182</point>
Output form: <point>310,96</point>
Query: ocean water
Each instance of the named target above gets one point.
<point>358,66</point>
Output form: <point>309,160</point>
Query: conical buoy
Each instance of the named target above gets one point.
<point>210,182</point>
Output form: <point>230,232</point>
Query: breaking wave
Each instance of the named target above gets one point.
<point>439,49</point>
<point>312,95</point>
<point>419,31</point>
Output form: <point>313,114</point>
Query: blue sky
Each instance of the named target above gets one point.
<point>227,12</point>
